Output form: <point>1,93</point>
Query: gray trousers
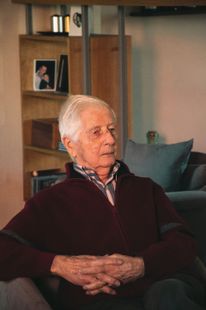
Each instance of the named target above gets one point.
<point>21,294</point>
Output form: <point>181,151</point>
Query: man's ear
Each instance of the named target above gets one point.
<point>69,145</point>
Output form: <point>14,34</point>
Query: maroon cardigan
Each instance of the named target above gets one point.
<point>74,217</point>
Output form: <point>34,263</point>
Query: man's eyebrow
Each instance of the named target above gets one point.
<point>97,127</point>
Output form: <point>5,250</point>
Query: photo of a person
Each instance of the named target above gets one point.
<point>44,74</point>
<point>44,83</point>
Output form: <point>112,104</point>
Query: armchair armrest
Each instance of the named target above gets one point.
<point>22,293</point>
<point>194,177</point>
<point>191,205</point>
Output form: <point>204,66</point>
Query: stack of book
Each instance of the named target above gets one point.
<point>61,147</point>
<point>44,179</point>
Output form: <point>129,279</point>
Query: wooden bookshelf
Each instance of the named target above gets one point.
<point>104,51</point>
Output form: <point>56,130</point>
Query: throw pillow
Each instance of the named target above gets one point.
<point>164,163</point>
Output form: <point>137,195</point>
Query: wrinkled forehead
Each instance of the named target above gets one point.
<point>96,116</point>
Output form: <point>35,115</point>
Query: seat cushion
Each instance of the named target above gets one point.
<point>164,163</point>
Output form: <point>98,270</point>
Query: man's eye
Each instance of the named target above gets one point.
<point>112,130</point>
<point>96,132</point>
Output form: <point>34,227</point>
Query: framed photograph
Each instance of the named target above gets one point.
<point>40,182</point>
<point>44,78</point>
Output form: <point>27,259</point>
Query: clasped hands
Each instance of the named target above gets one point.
<point>98,274</point>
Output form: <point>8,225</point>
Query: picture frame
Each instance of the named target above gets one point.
<point>45,74</point>
<point>44,180</point>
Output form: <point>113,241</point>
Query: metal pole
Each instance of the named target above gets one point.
<point>63,9</point>
<point>123,80</point>
<point>86,51</point>
<point>29,19</point>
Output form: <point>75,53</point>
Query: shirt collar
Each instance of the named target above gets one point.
<point>91,174</point>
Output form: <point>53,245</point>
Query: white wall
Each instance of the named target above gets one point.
<point>169,78</point>
<point>169,86</point>
<point>169,75</point>
<point>11,197</point>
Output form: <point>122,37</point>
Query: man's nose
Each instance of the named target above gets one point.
<point>109,136</point>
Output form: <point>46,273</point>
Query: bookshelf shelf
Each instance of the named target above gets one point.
<point>47,151</point>
<point>40,94</point>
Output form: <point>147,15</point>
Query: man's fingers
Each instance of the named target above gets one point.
<point>111,281</point>
<point>105,261</point>
<point>105,289</point>
<point>100,281</point>
<point>93,292</point>
<point>108,290</point>
<point>108,260</point>
<point>82,263</point>
<point>99,265</point>
<point>94,285</point>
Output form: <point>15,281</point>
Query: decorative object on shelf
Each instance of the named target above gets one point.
<point>60,25</point>
<point>62,80</point>
<point>75,21</point>
<point>55,23</point>
<point>94,20</point>
<point>152,137</point>
<point>44,78</point>
<point>67,23</point>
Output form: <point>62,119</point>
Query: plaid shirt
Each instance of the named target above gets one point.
<point>108,188</point>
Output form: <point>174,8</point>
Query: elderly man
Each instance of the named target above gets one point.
<point>112,237</point>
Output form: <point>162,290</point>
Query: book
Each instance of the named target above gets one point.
<point>61,147</point>
<point>62,80</point>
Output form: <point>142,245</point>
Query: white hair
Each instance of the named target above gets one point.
<point>70,114</point>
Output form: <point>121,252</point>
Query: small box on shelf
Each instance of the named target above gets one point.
<point>45,133</point>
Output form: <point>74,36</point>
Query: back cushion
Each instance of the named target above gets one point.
<point>163,163</point>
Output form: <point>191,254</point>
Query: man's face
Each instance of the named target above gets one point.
<point>96,146</point>
<point>42,70</point>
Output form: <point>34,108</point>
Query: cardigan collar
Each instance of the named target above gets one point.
<point>72,173</point>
